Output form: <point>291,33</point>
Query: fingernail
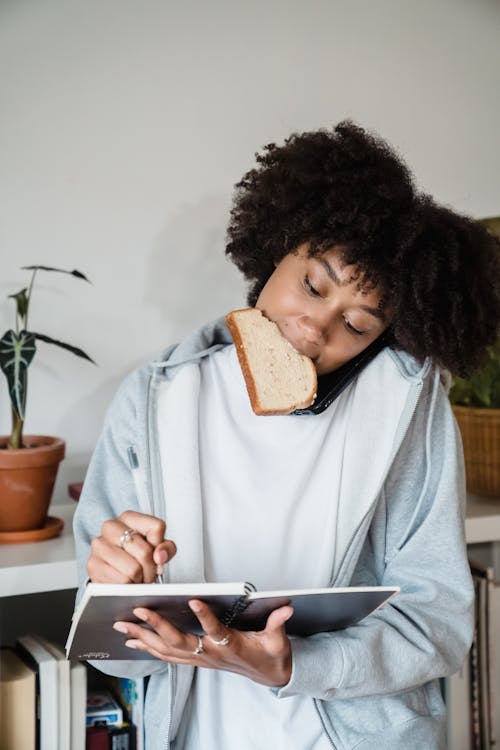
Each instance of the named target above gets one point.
<point>120,627</point>
<point>195,606</point>
<point>131,644</point>
<point>162,557</point>
<point>142,614</point>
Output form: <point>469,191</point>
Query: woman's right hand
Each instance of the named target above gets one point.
<point>134,557</point>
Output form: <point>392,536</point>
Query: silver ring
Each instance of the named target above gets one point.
<point>199,648</point>
<point>223,642</point>
<point>127,537</point>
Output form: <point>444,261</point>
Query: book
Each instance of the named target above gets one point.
<point>75,490</point>
<point>458,701</point>
<point>63,693</point>
<point>111,738</point>
<point>130,693</point>
<point>47,680</point>
<point>482,657</point>
<point>102,708</point>
<point>238,605</point>
<point>122,738</point>
<point>78,679</point>
<point>17,702</point>
<point>495,667</point>
<point>97,738</point>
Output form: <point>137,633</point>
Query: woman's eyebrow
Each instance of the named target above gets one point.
<point>328,268</point>
<point>375,311</point>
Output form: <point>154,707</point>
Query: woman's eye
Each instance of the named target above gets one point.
<point>353,330</point>
<point>310,288</point>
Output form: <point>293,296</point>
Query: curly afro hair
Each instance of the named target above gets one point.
<point>438,271</point>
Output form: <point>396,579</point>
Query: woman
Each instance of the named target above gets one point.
<point>343,254</point>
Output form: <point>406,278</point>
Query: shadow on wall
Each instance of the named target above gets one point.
<point>190,279</point>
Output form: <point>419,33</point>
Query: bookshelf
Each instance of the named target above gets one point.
<point>39,579</point>
<point>40,566</point>
<point>483,519</point>
<point>51,565</point>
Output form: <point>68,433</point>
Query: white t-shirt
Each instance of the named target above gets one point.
<point>270,494</point>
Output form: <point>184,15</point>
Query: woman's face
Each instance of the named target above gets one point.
<point>319,309</point>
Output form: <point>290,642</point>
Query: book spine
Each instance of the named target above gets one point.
<point>238,607</point>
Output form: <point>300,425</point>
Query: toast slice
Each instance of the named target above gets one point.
<point>278,378</point>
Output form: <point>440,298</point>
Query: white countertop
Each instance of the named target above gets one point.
<point>51,565</point>
<point>40,566</point>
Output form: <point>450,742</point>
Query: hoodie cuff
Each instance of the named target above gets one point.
<point>317,668</point>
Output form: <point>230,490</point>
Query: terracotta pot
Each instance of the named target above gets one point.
<point>27,478</point>
<point>480,429</point>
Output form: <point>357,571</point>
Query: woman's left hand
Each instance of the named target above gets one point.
<point>264,656</point>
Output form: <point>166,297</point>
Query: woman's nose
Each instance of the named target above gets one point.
<point>313,329</point>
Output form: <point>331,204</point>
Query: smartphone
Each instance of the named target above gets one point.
<point>331,386</point>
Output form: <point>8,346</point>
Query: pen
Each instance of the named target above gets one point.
<point>141,492</point>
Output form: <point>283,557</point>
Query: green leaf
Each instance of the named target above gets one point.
<point>16,353</point>
<point>460,392</point>
<point>482,388</point>
<point>62,345</point>
<point>21,302</point>
<point>77,274</point>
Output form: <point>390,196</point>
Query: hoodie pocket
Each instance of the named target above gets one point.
<point>413,719</point>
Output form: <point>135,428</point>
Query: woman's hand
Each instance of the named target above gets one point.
<point>264,656</point>
<point>131,549</point>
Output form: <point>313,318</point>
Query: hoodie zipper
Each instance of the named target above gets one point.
<point>158,509</point>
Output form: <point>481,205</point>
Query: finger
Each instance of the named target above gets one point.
<point>151,528</point>
<point>171,635</point>
<point>106,557</point>
<point>144,639</point>
<point>164,552</point>
<point>213,627</point>
<point>100,571</point>
<point>276,620</point>
<point>135,545</point>
<point>140,646</point>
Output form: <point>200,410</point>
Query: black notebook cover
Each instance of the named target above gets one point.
<point>238,605</point>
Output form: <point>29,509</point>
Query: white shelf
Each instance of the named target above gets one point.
<point>40,566</point>
<point>51,565</point>
<point>482,523</point>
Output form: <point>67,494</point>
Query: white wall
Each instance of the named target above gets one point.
<point>124,125</point>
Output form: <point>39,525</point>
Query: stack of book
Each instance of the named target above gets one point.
<point>115,714</point>
<point>481,667</point>
<point>42,697</point>
<point>50,703</point>
<point>473,693</point>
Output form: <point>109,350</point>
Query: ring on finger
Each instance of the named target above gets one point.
<point>126,537</point>
<point>223,641</point>
<point>199,648</point>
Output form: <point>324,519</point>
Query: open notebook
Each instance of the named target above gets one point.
<point>238,605</point>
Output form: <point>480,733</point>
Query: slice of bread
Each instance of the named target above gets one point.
<point>278,378</point>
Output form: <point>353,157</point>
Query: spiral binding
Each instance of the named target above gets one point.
<point>238,606</point>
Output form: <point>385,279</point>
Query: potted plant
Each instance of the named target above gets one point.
<point>28,463</point>
<point>476,404</point>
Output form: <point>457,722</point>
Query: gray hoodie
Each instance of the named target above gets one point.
<point>401,509</point>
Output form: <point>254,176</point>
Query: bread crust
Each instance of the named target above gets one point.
<point>250,382</point>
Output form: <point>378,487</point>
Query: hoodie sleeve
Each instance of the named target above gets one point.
<point>417,542</point>
<point>109,490</point>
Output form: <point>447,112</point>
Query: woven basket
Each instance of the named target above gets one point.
<point>480,430</point>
